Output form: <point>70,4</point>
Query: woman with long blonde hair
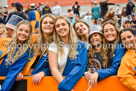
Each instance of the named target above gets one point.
<point>17,54</point>
<point>67,55</point>
<point>41,66</point>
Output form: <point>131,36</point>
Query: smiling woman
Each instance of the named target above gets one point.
<point>16,57</point>
<point>82,30</point>
<point>66,60</point>
<point>127,69</point>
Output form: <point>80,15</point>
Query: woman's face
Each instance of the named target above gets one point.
<point>95,39</point>
<point>62,28</point>
<point>99,22</point>
<point>1,30</point>
<point>47,25</point>
<point>110,33</point>
<point>81,29</point>
<point>128,39</point>
<point>23,33</point>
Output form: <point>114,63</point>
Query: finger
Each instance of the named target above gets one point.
<point>89,83</point>
<point>95,81</point>
<point>92,83</point>
<point>22,76</point>
<point>33,80</point>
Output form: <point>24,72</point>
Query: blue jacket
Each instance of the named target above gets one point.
<point>43,65</point>
<point>112,70</point>
<point>12,71</point>
<point>74,68</point>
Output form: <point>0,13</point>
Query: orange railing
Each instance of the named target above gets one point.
<point>50,84</point>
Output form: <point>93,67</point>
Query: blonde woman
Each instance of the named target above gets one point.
<point>82,30</point>
<point>67,55</point>
<point>2,31</point>
<point>41,67</point>
<point>111,30</point>
<point>17,54</point>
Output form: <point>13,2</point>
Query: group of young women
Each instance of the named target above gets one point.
<point>65,53</point>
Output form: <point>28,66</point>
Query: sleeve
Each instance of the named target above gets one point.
<point>73,7</point>
<point>128,10</point>
<point>112,70</point>
<point>59,9</point>
<point>53,47</point>
<point>76,73</point>
<point>50,10</point>
<point>126,73</point>
<point>13,71</point>
<point>42,13</point>
<point>30,16</point>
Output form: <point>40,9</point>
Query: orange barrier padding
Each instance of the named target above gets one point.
<point>50,84</point>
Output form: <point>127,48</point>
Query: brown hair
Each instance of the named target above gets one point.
<point>104,52</point>
<point>117,27</point>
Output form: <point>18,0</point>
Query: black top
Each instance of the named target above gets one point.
<point>76,8</point>
<point>35,62</point>
<point>129,9</point>
<point>46,10</point>
<point>96,65</point>
<point>104,7</point>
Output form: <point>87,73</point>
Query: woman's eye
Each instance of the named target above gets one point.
<point>51,23</point>
<point>45,22</point>
<point>57,26</point>
<point>63,24</point>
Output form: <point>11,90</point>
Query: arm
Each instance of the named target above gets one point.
<point>13,71</point>
<point>76,73</point>
<point>112,70</point>
<point>53,63</point>
<point>126,73</point>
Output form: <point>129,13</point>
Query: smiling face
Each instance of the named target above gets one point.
<point>23,33</point>
<point>47,25</point>
<point>128,39</point>
<point>110,33</point>
<point>81,29</point>
<point>62,28</point>
<point>95,39</point>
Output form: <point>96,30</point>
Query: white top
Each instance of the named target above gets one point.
<point>56,10</point>
<point>61,61</point>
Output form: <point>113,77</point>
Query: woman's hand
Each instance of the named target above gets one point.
<point>37,77</point>
<point>19,77</point>
<point>93,79</point>
<point>88,75</point>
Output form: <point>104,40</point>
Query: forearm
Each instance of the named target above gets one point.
<point>57,75</point>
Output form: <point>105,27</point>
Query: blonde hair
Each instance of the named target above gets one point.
<point>117,27</point>
<point>12,54</point>
<point>72,39</point>
<point>81,22</point>
<point>40,38</point>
